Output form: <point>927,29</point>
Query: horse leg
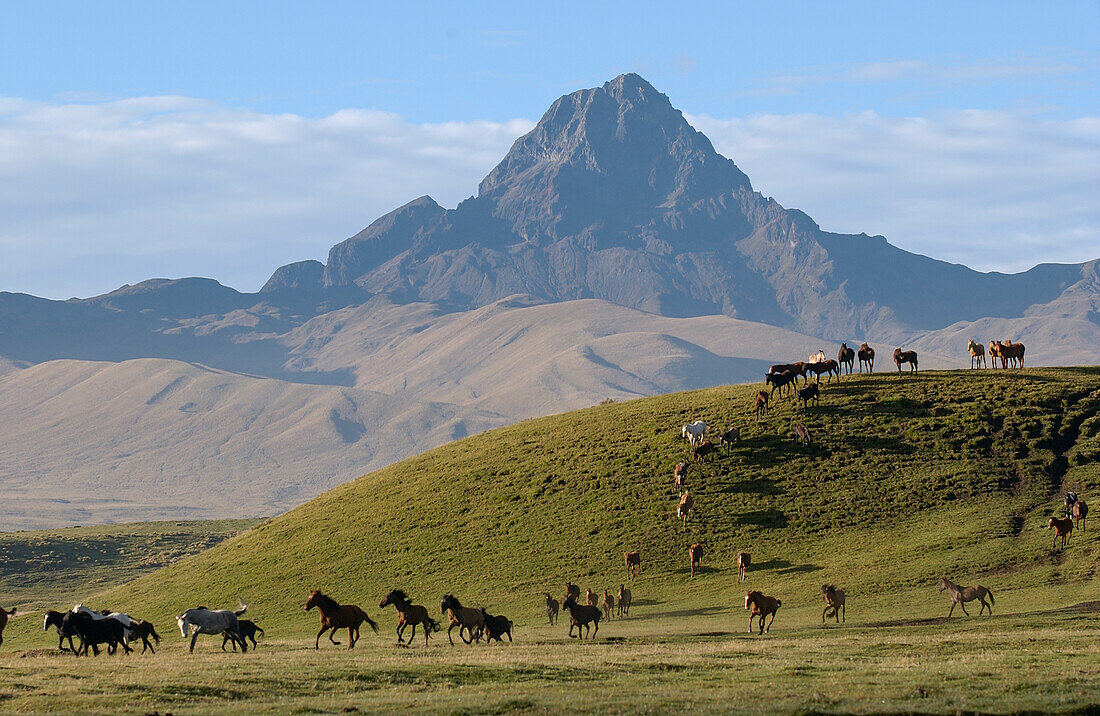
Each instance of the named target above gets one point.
<point>401,630</point>
<point>353,636</point>
<point>594,633</point>
<point>750,622</point>
<point>823,613</point>
<point>952,609</point>
<point>194,638</point>
<point>844,610</point>
<point>332,635</point>
<point>963,606</point>
<point>770,622</point>
<point>317,641</point>
<point>460,633</point>
<point>571,625</point>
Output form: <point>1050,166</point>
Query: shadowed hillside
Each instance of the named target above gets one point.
<point>907,479</point>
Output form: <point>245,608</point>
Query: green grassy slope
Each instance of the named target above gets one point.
<point>950,473</point>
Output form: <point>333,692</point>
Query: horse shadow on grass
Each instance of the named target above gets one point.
<point>771,518</point>
<point>782,566</point>
<point>700,612</point>
<point>755,486</point>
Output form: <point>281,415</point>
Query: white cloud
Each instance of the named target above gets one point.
<point>992,190</point>
<point>94,195</point>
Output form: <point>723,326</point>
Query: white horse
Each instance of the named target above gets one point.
<point>818,357</point>
<point>127,621</point>
<point>212,621</point>
<point>694,432</point>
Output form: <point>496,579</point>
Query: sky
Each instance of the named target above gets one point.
<point>142,140</point>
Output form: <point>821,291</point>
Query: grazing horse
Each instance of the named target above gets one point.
<point>731,436</point>
<point>695,556</point>
<point>810,392</point>
<point>744,561</point>
<point>694,432</point>
<point>846,357</point>
<point>4,614</point>
<point>56,620</point>
<point>684,509</point>
<point>909,357</point>
<point>977,353</point>
<point>551,607</point>
<point>961,595</point>
<point>337,616</point>
<point>465,618</point>
<point>633,564</point>
<point>624,601</point>
<point>761,405</point>
<point>829,367</point>
<point>1062,527</point>
<point>248,629</point>
<point>703,450</point>
<point>212,621</point>
<point>866,355</point>
<point>679,474</point>
<point>1011,354</point>
<point>495,627</point>
<point>1079,511</point>
<point>801,434</point>
<point>93,632</point>
<point>761,606</point>
<point>608,604</point>
<point>834,599</point>
<point>581,616</point>
<point>410,614</point>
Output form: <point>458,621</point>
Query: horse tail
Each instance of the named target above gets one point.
<point>259,629</point>
<point>11,612</point>
<point>368,620</point>
<point>991,599</point>
<point>241,608</point>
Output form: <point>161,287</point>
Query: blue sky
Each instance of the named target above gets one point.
<point>223,139</point>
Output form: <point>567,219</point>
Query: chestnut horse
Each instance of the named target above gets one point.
<point>994,354</point>
<point>336,616</point>
<point>633,559</point>
<point>625,599</point>
<point>608,604</point>
<point>744,560</point>
<point>581,616</point>
<point>410,615</point>
<point>846,357</point>
<point>977,353</point>
<point>4,614</point>
<point>866,355</point>
<point>1062,527</point>
<point>762,606</point>
<point>761,405</point>
<point>1012,354</point>
<point>834,599</point>
<point>695,556</point>
<point>830,367</point>
<point>1079,511</point>
<point>909,357</point>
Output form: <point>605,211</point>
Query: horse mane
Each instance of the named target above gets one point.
<point>323,600</point>
<point>399,594</point>
<point>454,600</point>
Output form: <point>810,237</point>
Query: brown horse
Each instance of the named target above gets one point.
<point>551,607</point>
<point>704,450</point>
<point>409,615</point>
<point>695,556</point>
<point>909,357</point>
<point>608,604</point>
<point>1079,511</point>
<point>744,560</point>
<point>961,595</point>
<point>761,405</point>
<point>685,508</point>
<point>834,599</point>
<point>1062,527</point>
<point>994,354</point>
<point>866,355</point>
<point>1011,354</point>
<point>4,621</point>
<point>571,590</point>
<point>846,357</point>
<point>680,473</point>
<point>830,367</point>
<point>761,606</point>
<point>336,616</point>
<point>780,381</point>
<point>590,597</point>
<point>977,353</point>
<point>581,616</point>
<point>625,599</point>
<point>465,618</point>
<point>801,434</point>
<point>633,564</point>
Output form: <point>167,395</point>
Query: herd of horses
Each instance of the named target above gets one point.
<point>117,630</point>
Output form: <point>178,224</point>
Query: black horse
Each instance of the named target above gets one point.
<point>93,632</point>
<point>248,629</point>
<point>64,630</point>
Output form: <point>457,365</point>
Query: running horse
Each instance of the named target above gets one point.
<point>465,618</point>
<point>410,615</point>
<point>337,616</point>
<point>762,606</point>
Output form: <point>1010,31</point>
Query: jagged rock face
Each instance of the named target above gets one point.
<point>613,195</point>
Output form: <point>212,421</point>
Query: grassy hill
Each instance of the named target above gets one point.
<point>907,479</point>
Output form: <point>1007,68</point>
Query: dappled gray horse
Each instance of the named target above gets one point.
<point>212,621</point>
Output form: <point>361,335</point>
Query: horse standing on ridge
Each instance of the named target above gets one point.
<point>846,357</point>
<point>977,354</point>
<point>866,355</point>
